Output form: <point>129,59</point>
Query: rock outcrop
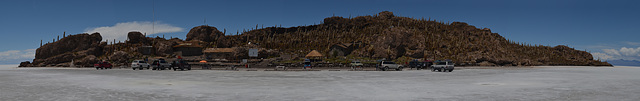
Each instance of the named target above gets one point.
<point>71,43</point>
<point>137,37</point>
<point>204,33</point>
<point>120,58</point>
<point>164,47</point>
<point>25,64</point>
<point>68,48</point>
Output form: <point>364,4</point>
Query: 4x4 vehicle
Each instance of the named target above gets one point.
<point>180,64</point>
<point>103,65</point>
<point>160,64</point>
<point>420,64</point>
<point>307,64</point>
<point>442,66</point>
<point>139,64</point>
<point>356,65</point>
<point>386,65</point>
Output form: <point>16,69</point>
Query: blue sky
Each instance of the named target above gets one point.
<point>606,28</point>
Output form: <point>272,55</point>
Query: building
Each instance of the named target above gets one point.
<point>219,53</point>
<point>146,50</point>
<point>188,49</point>
<point>314,56</point>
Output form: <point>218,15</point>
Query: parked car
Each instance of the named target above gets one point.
<point>160,64</point>
<point>420,64</point>
<point>140,64</point>
<point>356,65</point>
<point>103,65</point>
<point>180,64</point>
<point>443,66</point>
<point>386,65</point>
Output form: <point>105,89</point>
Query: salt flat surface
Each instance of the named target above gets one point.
<point>8,66</point>
<point>538,83</point>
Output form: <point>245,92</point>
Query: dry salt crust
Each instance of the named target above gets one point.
<point>544,83</point>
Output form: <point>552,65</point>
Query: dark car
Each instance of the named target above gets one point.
<point>180,64</point>
<point>103,65</point>
<point>420,64</point>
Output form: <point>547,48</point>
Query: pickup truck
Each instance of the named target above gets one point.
<point>442,66</point>
<point>103,65</point>
<point>160,64</point>
<point>386,65</point>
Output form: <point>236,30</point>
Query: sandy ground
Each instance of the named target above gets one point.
<point>539,83</point>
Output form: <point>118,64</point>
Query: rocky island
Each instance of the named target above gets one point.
<point>364,38</point>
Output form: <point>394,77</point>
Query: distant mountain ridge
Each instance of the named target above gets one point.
<point>622,62</point>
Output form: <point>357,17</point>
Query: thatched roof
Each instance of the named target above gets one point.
<point>313,53</point>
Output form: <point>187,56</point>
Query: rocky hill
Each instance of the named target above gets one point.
<point>71,47</point>
<point>392,37</point>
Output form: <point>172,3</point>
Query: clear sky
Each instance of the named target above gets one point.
<point>606,28</point>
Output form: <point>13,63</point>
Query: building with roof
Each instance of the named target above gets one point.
<point>219,53</point>
<point>188,49</point>
<point>146,50</point>
<point>314,54</point>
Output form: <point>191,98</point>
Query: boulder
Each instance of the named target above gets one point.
<point>163,47</point>
<point>204,33</point>
<point>25,64</point>
<point>385,15</point>
<point>136,37</point>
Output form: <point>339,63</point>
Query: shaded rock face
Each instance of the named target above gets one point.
<point>68,48</point>
<point>265,53</point>
<point>391,44</point>
<point>204,33</point>
<point>87,61</point>
<point>120,58</point>
<point>223,42</point>
<point>71,43</point>
<point>164,47</point>
<point>136,37</point>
